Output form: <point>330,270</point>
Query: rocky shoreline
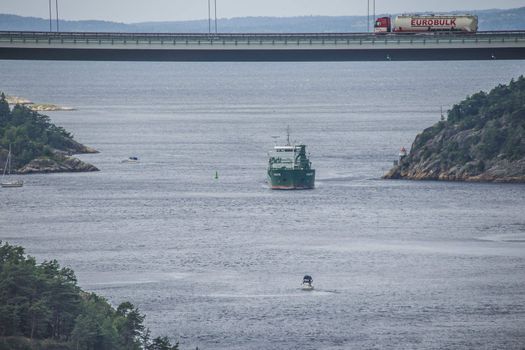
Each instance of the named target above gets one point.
<point>482,140</point>
<point>61,161</point>
<point>497,171</point>
<point>37,107</point>
<point>62,164</point>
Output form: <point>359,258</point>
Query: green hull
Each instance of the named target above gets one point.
<point>291,179</point>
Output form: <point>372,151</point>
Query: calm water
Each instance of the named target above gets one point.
<point>218,263</point>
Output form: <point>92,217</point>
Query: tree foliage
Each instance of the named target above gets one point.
<point>43,302</point>
<point>29,133</point>
<point>497,119</point>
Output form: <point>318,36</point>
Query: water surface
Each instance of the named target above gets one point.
<point>218,263</point>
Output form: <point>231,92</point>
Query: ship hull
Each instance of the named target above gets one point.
<point>291,179</point>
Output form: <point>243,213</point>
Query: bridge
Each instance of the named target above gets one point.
<point>94,46</point>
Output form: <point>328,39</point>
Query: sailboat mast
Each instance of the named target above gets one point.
<point>9,160</point>
<point>7,169</point>
<point>6,165</point>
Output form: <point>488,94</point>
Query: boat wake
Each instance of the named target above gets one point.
<point>295,293</point>
<point>510,233</point>
<point>508,238</point>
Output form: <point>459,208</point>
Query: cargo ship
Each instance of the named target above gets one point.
<point>289,168</point>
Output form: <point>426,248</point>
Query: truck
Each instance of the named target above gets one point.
<point>427,23</point>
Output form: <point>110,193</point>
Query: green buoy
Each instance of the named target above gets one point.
<point>216,175</point>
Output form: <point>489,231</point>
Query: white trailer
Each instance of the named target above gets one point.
<point>435,23</point>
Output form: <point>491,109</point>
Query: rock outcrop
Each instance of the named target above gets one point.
<point>60,165</point>
<point>47,107</point>
<point>483,139</point>
<point>16,100</point>
<point>37,107</point>
<point>71,146</point>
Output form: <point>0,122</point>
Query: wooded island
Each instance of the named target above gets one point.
<point>482,139</point>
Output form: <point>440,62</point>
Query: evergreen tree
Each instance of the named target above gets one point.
<point>162,343</point>
<point>130,325</point>
<point>4,111</point>
<point>43,301</point>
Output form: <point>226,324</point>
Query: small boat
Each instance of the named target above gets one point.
<point>307,283</point>
<point>14,183</point>
<point>131,160</point>
<point>6,181</point>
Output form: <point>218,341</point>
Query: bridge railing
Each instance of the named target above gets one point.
<point>265,39</point>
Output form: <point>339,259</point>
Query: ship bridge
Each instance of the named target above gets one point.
<point>289,148</point>
<point>288,157</point>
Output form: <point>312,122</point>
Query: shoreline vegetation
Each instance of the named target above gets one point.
<point>38,146</point>
<point>481,140</point>
<point>42,307</point>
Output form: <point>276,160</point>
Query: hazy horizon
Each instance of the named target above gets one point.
<point>169,10</point>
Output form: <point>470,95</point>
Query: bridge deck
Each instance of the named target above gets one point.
<point>260,46</point>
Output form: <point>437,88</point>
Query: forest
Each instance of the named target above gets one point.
<point>42,307</point>
<point>498,117</point>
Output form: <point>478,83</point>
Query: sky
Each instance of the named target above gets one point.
<point>130,11</point>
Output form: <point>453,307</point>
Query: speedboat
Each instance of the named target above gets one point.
<point>307,283</point>
<point>131,160</point>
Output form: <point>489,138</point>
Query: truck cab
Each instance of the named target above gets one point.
<point>382,25</point>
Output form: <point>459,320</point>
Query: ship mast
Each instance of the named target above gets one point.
<point>288,144</point>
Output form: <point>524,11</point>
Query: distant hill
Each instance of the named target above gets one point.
<point>493,19</point>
